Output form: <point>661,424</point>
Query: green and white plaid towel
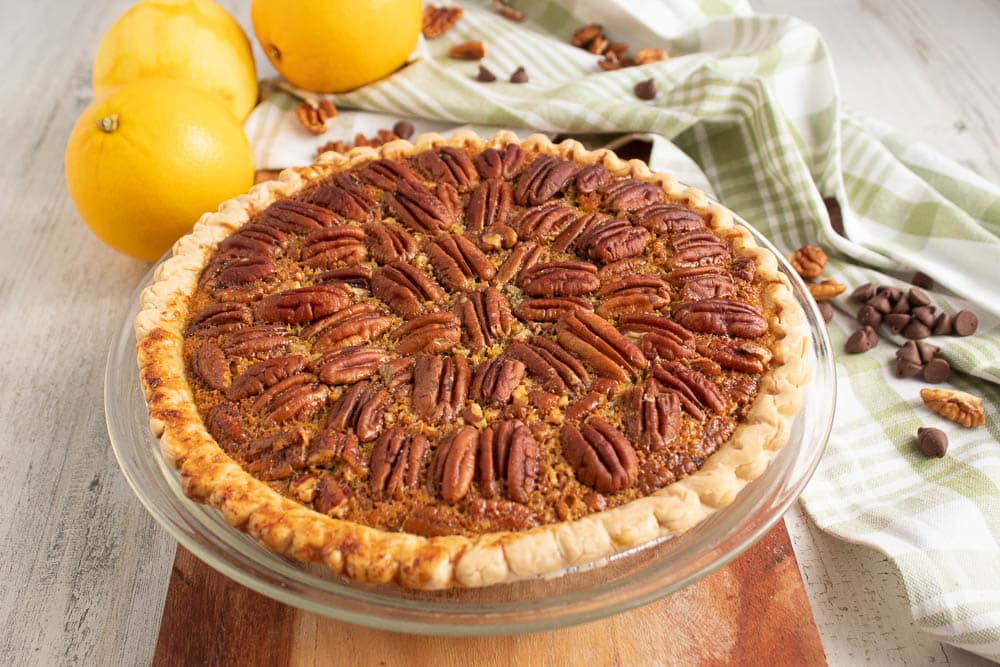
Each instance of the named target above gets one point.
<point>750,104</point>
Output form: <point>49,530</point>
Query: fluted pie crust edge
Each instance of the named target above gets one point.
<point>370,555</point>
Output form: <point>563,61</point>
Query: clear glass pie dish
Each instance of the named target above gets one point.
<point>625,581</point>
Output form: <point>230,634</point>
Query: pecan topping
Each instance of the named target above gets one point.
<point>278,455</point>
<point>551,366</point>
<point>551,309</point>
<point>457,262</point>
<point>496,380</point>
<point>505,164</point>
<point>345,197</point>
<point>253,240</point>
<point>303,304</point>
<point>508,452</point>
<point>722,317</point>
<point>630,194</point>
<point>353,276</point>
<point>264,374</point>
<point>597,342</point>
<point>523,256</point>
<point>359,410</point>
<point>313,117</point>
<point>742,356</point>
<point>353,325</point>
<point>396,463</point>
<point>582,408</point>
<point>419,209</point>
<point>329,495</point>
<point>398,374</point>
<point>449,165</point>
<point>333,246</point>
<point>431,333</point>
<point>225,426</point>
<point>210,364</point>
<point>543,178</point>
<point>809,261</point>
<point>698,249</point>
<point>440,387</point>
<point>621,268</point>
<point>219,318</point>
<point>591,178</point>
<point>958,406</point>
<point>490,515</point>
<point>432,521</point>
<point>485,316</point>
<point>405,288</point>
<point>668,219</point>
<point>239,270</point>
<point>611,240</point>
<point>350,364</point>
<point>652,416</point>
<point>490,203</point>
<point>388,242</point>
<point>439,20</point>
<point>543,222</point>
<point>576,229</point>
<point>454,464</point>
<point>634,293</point>
<point>559,279</point>
<point>601,456</point>
<point>329,447</point>
<point>387,174</point>
<point>743,269</point>
<point>296,217</point>
<point>257,341</point>
<point>694,389</point>
<point>297,397</point>
<point>702,282</point>
<point>660,337</point>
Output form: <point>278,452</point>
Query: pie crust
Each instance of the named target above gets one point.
<point>371,555</point>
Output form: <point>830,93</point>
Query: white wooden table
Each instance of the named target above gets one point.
<point>84,569</point>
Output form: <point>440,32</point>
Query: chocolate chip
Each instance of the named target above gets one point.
<point>908,360</point>
<point>519,76</point>
<point>833,210</point>
<point>965,323</point>
<point>645,90</point>
<point>916,330</point>
<point>868,315</point>
<point>918,297</point>
<point>863,293</point>
<point>932,441</point>
<point>403,129</point>
<point>924,314</point>
<point>893,293</point>
<point>937,370</point>
<point>943,326</point>
<point>485,75</point>
<point>826,310</point>
<point>881,303</point>
<point>896,322</point>
<point>861,340</point>
<point>927,351</point>
<point>921,279</point>
<point>901,306</point>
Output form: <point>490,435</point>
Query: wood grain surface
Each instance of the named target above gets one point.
<point>84,569</point>
<point>753,611</point>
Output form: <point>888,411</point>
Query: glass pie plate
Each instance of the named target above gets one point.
<point>626,580</point>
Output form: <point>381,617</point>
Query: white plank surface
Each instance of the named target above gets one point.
<point>83,569</point>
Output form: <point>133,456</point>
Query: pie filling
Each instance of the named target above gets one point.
<point>463,342</point>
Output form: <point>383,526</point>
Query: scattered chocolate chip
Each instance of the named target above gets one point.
<point>519,76</point>
<point>908,361</point>
<point>826,310</point>
<point>918,297</point>
<point>403,129</point>
<point>645,90</point>
<point>937,370</point>
<point>870,316</point>
<point>943,325</point>
<point>927,351</point>
<point>861,340</point>
<point>833,210</point>
<point>901,306</point>
<point>893,293</point>
<point>965,323</point>
<point>880,302</point>
<point>925,314</point>
<point>921,279</point>
<point>896,322</point>
<point>485,75</point>
<point>863,293</point>
<point>916,330</point>
<point>932,441</point>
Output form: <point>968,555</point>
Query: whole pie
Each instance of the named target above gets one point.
<point>460,362</point>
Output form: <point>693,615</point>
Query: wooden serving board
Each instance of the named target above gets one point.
<point>753,611</point>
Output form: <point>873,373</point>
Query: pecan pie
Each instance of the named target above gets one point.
<point>459,363</point>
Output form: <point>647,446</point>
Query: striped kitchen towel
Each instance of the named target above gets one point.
<point>747,108</point>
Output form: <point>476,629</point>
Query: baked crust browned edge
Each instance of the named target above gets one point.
<point>370,555</point>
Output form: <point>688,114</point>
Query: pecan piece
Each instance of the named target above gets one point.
<point>449,165</point>
<point>264,374</point>
<point>349,364</point>
<point>826,290</point>
<point>629,194</point>
<point>440,387</point>
<point>432,521</point>
<point>744,268</point>
<point>405,288</point>
<point>591,178</point>
<point>652,416</point>
<point>359,410</point>
<point>333,246</point>
<point>597,342</point>
<point>344,196</point>
<point>508,452</point>
<point>226,427</point>
<point>613,239</point>
<point>958,406</point>
<point>292,216</point>
<point>419,209</point>
<point>387,174</point>
<point>431,333</point>
<point>698,249</point>
<point>485,316</point>
<point>543,222</point>
<point>353,276</point>
<point>468,51</point>
<point>601,456</point>
<point>278,455</point>
<point>722,317</point>
<point>496,380</point>
<point>559,279</point>
<point>668,219</point>
<point>330,447</point>
<point>454,464</point>
<point>550,365</point>
<point>542,180</point>
<point>584,36</point>
<point>303,304</point>
<point>297,397</point>
<point>506,164</point>
<point>313,117</point>
<point>252,240</point>
<point>329,495</point>
<point>439,20</point>
<point>809,261</point>
<point>388,242</point>
<point>457,262</point>
<point>491,515</point>
<point>210,363</point>
<point>489,203</point>
<point>551,309</point>
<point>650,55</point>
<point>257,341</point>
<point>398,374</point>
<point>353,325</point>
<point>742,356</point>
<point>396,463</point>
<point>219,318</point>
<point>522,257</point>
<point>695,390</point>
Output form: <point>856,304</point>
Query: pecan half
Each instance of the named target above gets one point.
<point>334,246</point>
<point>449,165</point>
<point>264,374</point>
<point>542,180</point>
<point>277,455</point>
<point>353,276</point>
<point>219,318</point>
<point>419,209</point>
<point>550,309</point>
<point>550,365</point>
<point>396,463</point>
<point>454,464</point>
<point>634,293</point>
<point>490,203</point>
<point>398,375</point>
<point>349,364</point>
<point>440,387</point>
<point>650,55</point>
<point>613,239</point>
<point>431,333</point>
<point>495,380</point>
<point>722,317</point>
<point>508,452</point>
<point>702,282</point>
<point>439,20</point>
<point>210,363</point>
<point>543,222</point>
<point>313,117</point>
<point>698,249</point>
<point>345,197</point>
<point>405,288</point>
<point>432,521</point>
<point>583,407</point>
<point>387,174</point>
<point>559,279</point>
<point>623,267</point>
<point>353,325</point>
<point>252,240</point>
<point>257,341</point>
<point>809,261</point>
<point>222,271</point>
<point>388,242</point>
<point>457,262</point>
<point>826,290</point>
<point>598,343</point>
<point>630,194</point>
<point>742,356</point>
<point>468,51</point>
<point>958,406</point>
<point>591,178</point>
<point>652,416</point>
<point>303,304</point>
<point>668,219</point>
<point>695,390</point>
<point>601,455</point>
<point>292,216</point>
<point>575,230</point>
<point>225,425</point>
<point>359,410</point>
<point>506,163</point>
<point>329,447</point>
<point>523,256</point>
<point>492,515</point>
<point>485,316</point>
<point>297,397</point>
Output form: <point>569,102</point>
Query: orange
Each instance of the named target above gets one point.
<point>144,163</point>
<point>329,46</point>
